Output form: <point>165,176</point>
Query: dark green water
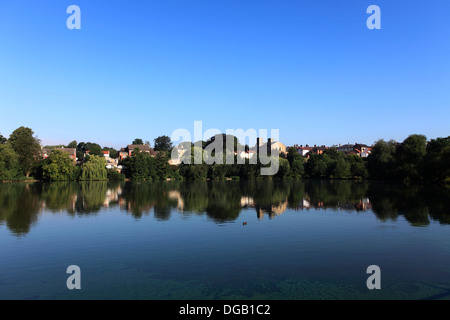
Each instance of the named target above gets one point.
<point>224,240</point>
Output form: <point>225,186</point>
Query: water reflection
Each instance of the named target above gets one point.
<point>21,203</point>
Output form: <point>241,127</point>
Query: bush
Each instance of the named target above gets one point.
<point>113,174</point>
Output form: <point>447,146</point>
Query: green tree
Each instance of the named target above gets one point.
<point>298,168</point>
<point>162,166</point>
<point>2,139</point>
<point>27,148</point>
<point>94,149</point>
<point>58,166</point>
<point>317,166</point>
<point>140,166</point>
<point>381,161</point>
<point>113,174</point>
<point>409,156</point>
<point>340,169</point>
<point>94,169</point>
<point>284,169</point>
<point>436,163</point>
<point>293,155</point>
<point>357,166</point>
<point>9,163</point>
<point>137,141</point>
<point>163,143</point>
<point>72,144</point>
<point>333,153</point>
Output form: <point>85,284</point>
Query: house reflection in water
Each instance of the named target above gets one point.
<point>176,195</point>
<point>112,196</point>
<point>362,205</point>
<point>272,210</point>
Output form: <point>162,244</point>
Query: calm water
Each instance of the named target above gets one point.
<point>224,240</point>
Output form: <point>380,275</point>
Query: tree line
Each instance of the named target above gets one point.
<point>414,159</point>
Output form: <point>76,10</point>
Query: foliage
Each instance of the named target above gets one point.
<point>436,163</point>
<point>94,149</point>
<point>58,166</point>
<point>9,163</point>
<point>317,166</point>
<point>409,157</point>
<point>381,161</point>
<point>2,139</point>
<point>140,166</point>
<point>340,169</point>
<point>94,169</point>
<point>137,141</point>
<point>72,144</point>
<point>163,143</point>
<point>27,148</point>
<point>358,168</point>
<point>114,175</point>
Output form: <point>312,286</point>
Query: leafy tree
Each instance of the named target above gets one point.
<point>72,144</point>
<point>217,171</point>
<point>137,141</point>
<point>27,148</point>
<point>163,143</point>
<point>2,139</point>
<point>113,174</point>
<point>197,172</point>
<point>140,166</point>
<point>284,169</point>
<point>317,166</point>
<point>162,166</point>
<point>58,166</point>
<point>333,153</point>
<point>94,169</point>
<point>298,168</point>
<point>381,161</point>
<point>293,155</point>
<point>9,163</point>
<point>357,166</point>
<point>436,163</point>
<point>340,169</point>
<point>410,155</point>
<point>94,149</point>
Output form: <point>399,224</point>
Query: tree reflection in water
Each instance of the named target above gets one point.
<point>221,201</point>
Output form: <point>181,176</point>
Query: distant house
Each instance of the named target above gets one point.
<point>271,146</point>
<point>246,154</point>
<point>72,152</point>
<point>302,150</point>
<point>126,152</point>
<point>359,149</point>
<point>123,154</point>
<point>318,149</point>
<point>364,149</point>
<point>345,148</point>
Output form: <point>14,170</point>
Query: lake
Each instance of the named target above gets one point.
<point>224,240</point>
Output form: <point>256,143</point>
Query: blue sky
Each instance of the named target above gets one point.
<point>311,69</point>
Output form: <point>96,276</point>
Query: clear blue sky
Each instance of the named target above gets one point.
<point>140,69</point>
